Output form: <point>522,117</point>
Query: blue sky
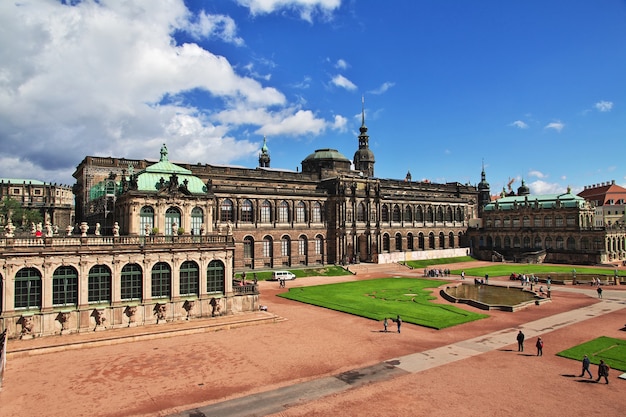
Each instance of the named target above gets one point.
<point>535,90</point>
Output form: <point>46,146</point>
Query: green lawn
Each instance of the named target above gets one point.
<point>500,270</point>
<point>387,297</point>
<point>328,271</point>
<point>612,351</point>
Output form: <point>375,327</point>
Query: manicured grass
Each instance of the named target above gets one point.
<point>429,262</point>
<point>612,351</point>
<point>387,297</point>
<point>328,271</point>
<point>499,270</point>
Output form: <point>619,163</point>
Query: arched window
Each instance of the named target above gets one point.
<point>215,277</point>
<point>559,242</point>
<point>537,242</point>
<point>526,242</point>
<point>442,240</point>
<point>421,243</point>
<point>430,216</point>
<point>161,280</point>
<point>408,214</point>
<point>497,242</point>
<point>266,212</point>
<point>558,221</point>
<point>197,220</point>
<point>248,247</point>
<point>507,221</point>
<point>267,247</point>
<point>247,211</point>
<point>571,220</point>
<point>448,214</point>
<point>451,239</point>
<point>398,242</point>
<point>384,213</point>
<point>360,213</point>
<point>285,246</point>
<point>547,221</point>
<point>458,214</point>
<point>146,220</point>
<point>283,212</point>
<point>396,213</point>
<point>515,222</point>
<point>409,241</point>
<point>189,279</point>
<point>584,243</point>
<point>319,245</point>
<point>300,212</point>
<point>571,243</point>
<point>65,286</point>
<point>507,242</point>
<point>131,282</point>
<point>431,240</point>
<point>439,214</point>
<point>302,246</point>
<point>28,289</point>
<point>537,221</point>
<point>548,243</point>
<point>386,243</point>
<point>316,212</point>
<point>419,214</point>
<point>226,210</point>
<point>172,218</point>
<point>516,242</point>
<point>526,221</point>
<point>99,284</point>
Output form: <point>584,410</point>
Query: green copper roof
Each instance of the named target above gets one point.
<point>540,201</point>
<point>149,179</point>
<point>327,154</point>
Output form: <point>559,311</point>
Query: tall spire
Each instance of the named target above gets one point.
<point>363,111</point>
<point>364,157</point>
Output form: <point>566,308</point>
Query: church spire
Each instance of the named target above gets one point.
<point>364,157</point>
<point>264,156</point>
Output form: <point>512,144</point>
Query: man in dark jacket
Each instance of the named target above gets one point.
<point>603,371</point>
<point>520,341</point>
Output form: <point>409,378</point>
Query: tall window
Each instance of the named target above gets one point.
<point>302,246</point>
<point>430,215</point>
<point>396,214</point>
<point>448,214</point>
<point>451,239</point>
<point>189,278</point>
<point>226,210</point>
<point>99,284</point>
<point>246,211</point>
<point>172,220</point>
<point>439,214</point>
<point>547,222</point>
<point>442,240</point>
<point>248,247</point>
<point>266,212</point>
<point>215,277</point>
<point>384,213</point>
<point>526,221</point>
<point>408,214</point>
<point>360,212</point>
<point>131,282</point>
<point>319,245</point>
<point>398,242</point>
<point>197,220</point>
<point>386,243</point>
<point>161,280</point>
<point>316,212</point>
<point>28,289</point>
<point>409,241</point>
<point>285,246</point>
<point>146,219</point>
<point>537,221</point>
<point>419,214</point>
<point>65,286</point>
<point>283,212</point>
<point>300,212</point>
<point>267,247</point>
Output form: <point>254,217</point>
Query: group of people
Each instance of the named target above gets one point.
<point>436,272</point>
<point>397,320</point>
<point>603,368</point>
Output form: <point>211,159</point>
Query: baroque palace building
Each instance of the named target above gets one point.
<point>554,228</point>
<point>160,242</point>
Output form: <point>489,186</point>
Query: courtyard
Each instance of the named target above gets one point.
<point>186,374</point>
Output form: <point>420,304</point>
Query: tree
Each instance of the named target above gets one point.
<point>19,215</point>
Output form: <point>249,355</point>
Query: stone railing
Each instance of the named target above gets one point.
<point>73,241</point>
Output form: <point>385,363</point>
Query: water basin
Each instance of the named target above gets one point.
<point>488,297</point>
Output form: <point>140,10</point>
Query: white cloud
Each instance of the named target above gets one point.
<point>108,78</point>
<point>537,174</point>
<point>341,64</point>
<point>341,81</point>
<point>543,187</point>
<point>383,88</point>
<point>519,124</point>
<point>558,126</point>
<point>340,123</point>
<point>305,8</point>
<point>603,106</point>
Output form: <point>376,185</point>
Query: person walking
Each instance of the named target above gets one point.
<point>539,345</point>
<point>399,322</point>
<point>586,364</point>
<point>520,341</point>
<point>603,371</point>
<point>385,324</point>
<point>599,290</point>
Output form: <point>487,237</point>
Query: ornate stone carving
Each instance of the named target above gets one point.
<point>160,311</point>
<point>84,228</point>
<point>188,306</point>
<point>131,312</point>
<point>116,229</point>
<point>28,324</point>
<point>9,229</point>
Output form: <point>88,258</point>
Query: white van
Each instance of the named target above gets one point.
<point>283,276</point>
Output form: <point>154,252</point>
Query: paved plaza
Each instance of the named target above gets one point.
<point>299,360</point>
